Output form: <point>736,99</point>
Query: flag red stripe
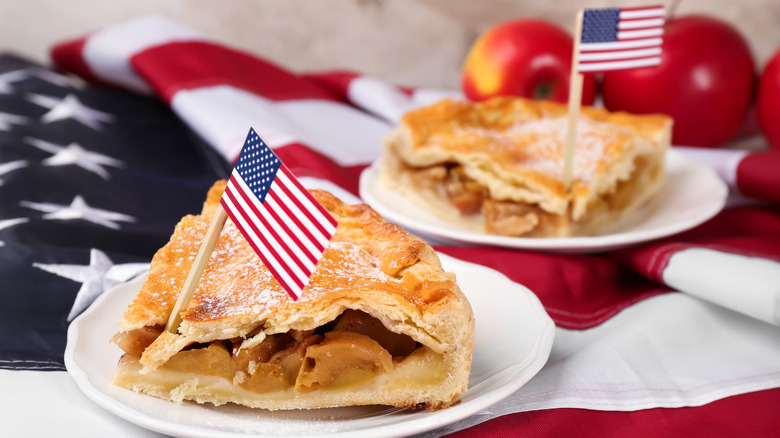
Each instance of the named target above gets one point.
<point>293,232</point>
<point>634,58</point>
<point>586,50</point>
<point>641,28</point>
<point>300,206</point>
<point>298,224</point>
<point>186,65</point>
<point>257,247</point>
<point>643,52</point>
<point>297,184</point>
<point>296,187</point>
<point>308,162</point>
<point>640,38</point>
<point>62,56</point>
<point>286,250</point>
<point>297,202</point>
<point>649,17</point>
<point>290,291</point>
<point>231,193</point>
<point>248,218</point>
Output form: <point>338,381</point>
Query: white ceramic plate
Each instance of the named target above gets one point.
<point>693,193</point>
<point>513,338</point>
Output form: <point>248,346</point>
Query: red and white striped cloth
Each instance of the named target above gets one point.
<point>630,357</point>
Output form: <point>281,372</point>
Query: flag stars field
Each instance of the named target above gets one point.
<point>100,275</point>
<point>7,120</point>
<point>70,107</point>
<point>79,209</point>
<point>74,154</point>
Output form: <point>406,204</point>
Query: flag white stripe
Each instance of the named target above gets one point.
<point>303,197</point>
<point>315,213</point>
<point>642,13</point>
<point>310,222</point>
<point>597,66</point>
<point>242,221</point>
<point>285,232</point>
<point>282,248</point>
<point>617,45</point>
<point>306,221</point>
<point>109,50</point>
<point>274,204</point>
<point>285,261</point>
<point>284,240</point>
<point>621,54</point>
<point>639,33</point>
<point>639,24</point>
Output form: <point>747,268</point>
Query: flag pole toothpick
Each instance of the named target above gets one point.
<point>196,271</point>
<point>575,100</point>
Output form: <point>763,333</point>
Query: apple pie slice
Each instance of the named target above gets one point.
<point>379,323</point>
<point>496,166</point>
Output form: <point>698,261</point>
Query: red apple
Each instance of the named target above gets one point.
<point>705,82</point>
<point>527,58</point>
<point>768,104</point>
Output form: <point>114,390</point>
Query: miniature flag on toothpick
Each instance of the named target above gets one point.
<point>279,218</point>
<point>609,39</point>
<point>615,38</point>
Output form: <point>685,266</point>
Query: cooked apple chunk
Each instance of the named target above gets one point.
<point>342,358</point>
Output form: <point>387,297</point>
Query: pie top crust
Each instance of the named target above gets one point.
<point>369,265</point>
<point>515,147</point>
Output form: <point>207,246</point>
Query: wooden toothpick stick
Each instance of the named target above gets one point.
<point>201,260</point>
<point>575,100</point>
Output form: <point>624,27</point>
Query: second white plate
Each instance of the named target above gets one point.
<point>693,193</point>
<point>513,338</point>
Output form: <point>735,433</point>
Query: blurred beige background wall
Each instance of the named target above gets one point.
<point>408,42</point>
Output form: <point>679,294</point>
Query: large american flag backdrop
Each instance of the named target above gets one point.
<point>94,178</point>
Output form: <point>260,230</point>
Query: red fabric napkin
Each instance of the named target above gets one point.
<point>753,174</point>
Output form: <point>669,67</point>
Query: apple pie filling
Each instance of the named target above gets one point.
<point>353,349</point>
<point>449,183</point>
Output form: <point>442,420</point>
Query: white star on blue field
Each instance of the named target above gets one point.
<point>74,154</point>
<point>79,209</point>
<point>70,107</point>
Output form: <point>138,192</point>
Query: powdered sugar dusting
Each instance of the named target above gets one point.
<point>248,289</point>
<point>251,290</point>
<point>538,145</point>
<point>347,265</point>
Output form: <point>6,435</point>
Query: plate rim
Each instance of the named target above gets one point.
<point>579,244</point>
<point>521,373</point>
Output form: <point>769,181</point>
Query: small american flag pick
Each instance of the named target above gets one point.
<point>279,218</point>
<point>620,38</point>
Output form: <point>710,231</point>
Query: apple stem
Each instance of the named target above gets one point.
<point>672,9</point>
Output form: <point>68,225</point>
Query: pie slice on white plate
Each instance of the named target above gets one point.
<point>379,323</point>
<point>496,166</point>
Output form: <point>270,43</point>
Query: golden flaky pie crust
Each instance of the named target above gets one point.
<point>369,265</point>
<point>513,149</point>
